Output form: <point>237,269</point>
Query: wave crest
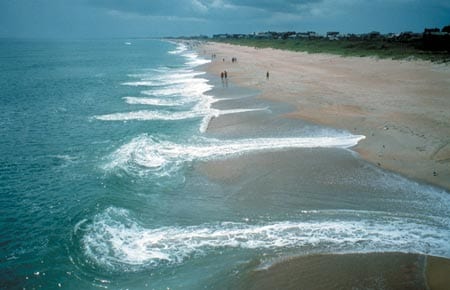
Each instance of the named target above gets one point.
<point>147,154</point>
<point>116,241</point>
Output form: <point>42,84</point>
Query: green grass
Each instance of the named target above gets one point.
<point>360,48</point>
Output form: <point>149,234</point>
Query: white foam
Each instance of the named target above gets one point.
<point>162,77</point>
<point>210,113</point>
<point>146,154</point>
<point>116,241</point>
<point>156,101</point>
<point>146,115</point>
<point>172,87</point>
<point>195,60</point>
<point>195,87</point>
<point>175,96</point>
<point>179,49</point>
<point>216,112</point>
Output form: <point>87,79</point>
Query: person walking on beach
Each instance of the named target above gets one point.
<point>267,75</point>
<point>221,75</point>
<point>225,74</point>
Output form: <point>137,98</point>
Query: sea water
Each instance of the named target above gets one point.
<point>111,175</point>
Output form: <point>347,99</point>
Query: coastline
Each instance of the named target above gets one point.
<point>337,271</point>
<point>400,106</point>
<point>398,138</point>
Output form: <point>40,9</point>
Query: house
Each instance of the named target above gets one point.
<point>313,34</point>
<point>333,35</point>
<point>263,35</point>
<point>221,36</point>
<point>302,35</point>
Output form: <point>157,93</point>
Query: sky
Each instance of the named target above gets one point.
<point>160,18</point>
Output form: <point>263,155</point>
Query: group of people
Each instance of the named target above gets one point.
<point>224,75</point>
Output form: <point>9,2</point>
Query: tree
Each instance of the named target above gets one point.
<point>446,29</point>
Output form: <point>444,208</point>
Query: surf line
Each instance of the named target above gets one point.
<point>148,154</point>
<point>109,243</point>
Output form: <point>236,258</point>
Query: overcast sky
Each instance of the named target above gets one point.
<point>142,18</point>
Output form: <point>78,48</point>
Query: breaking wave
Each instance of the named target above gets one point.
<point>146,154</point>
<point>146,115</point>
<point>118,242</point>
<point>164,77</point>
<point>155,101</point>
<point>172,87</point>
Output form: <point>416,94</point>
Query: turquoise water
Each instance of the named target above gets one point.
<point>104,177</point>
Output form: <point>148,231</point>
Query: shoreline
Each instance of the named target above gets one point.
<point>393,142</point>
<point>400,106</point>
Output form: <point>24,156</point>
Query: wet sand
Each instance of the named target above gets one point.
<point>279,184</point>
<point>351,271</point>
<point>402,107</point>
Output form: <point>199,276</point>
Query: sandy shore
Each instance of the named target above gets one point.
<point>402,107</point>
<point>374,271</point>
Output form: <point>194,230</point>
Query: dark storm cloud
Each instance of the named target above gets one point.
<point>106,18</point>
<point>201,8</point>
<point>186,8</point>
<point>284,6</point>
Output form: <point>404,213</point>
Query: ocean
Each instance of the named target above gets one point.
<point>124,165</point>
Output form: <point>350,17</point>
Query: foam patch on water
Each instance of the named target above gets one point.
<point>181,47</point>
<point>146,154</point>
<point>144,115</point>
<point>195,88</point>
<point>173,87</point>
<point>116,241</point>
<point>195,60</point>
<point>168,102</point>
<point>163,77</point>
<point>160,115</point>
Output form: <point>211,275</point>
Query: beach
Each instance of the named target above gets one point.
<point>133,165</point>
<point>400,108</point>
<point>374,271</point>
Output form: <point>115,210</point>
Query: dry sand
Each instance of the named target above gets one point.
<point>402,107</point>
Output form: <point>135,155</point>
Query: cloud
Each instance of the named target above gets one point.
<point>283,6</point>
<point>134,16</point>
<point>203,8</point>
<point>48,18</point>
<point>186,8</point>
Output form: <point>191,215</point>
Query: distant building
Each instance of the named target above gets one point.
<point>301,35</point>
<point>221,36</point>
<point>263,35</point>
<point>431,30</point>
<point>312,33</point>
<point>333,35</point>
